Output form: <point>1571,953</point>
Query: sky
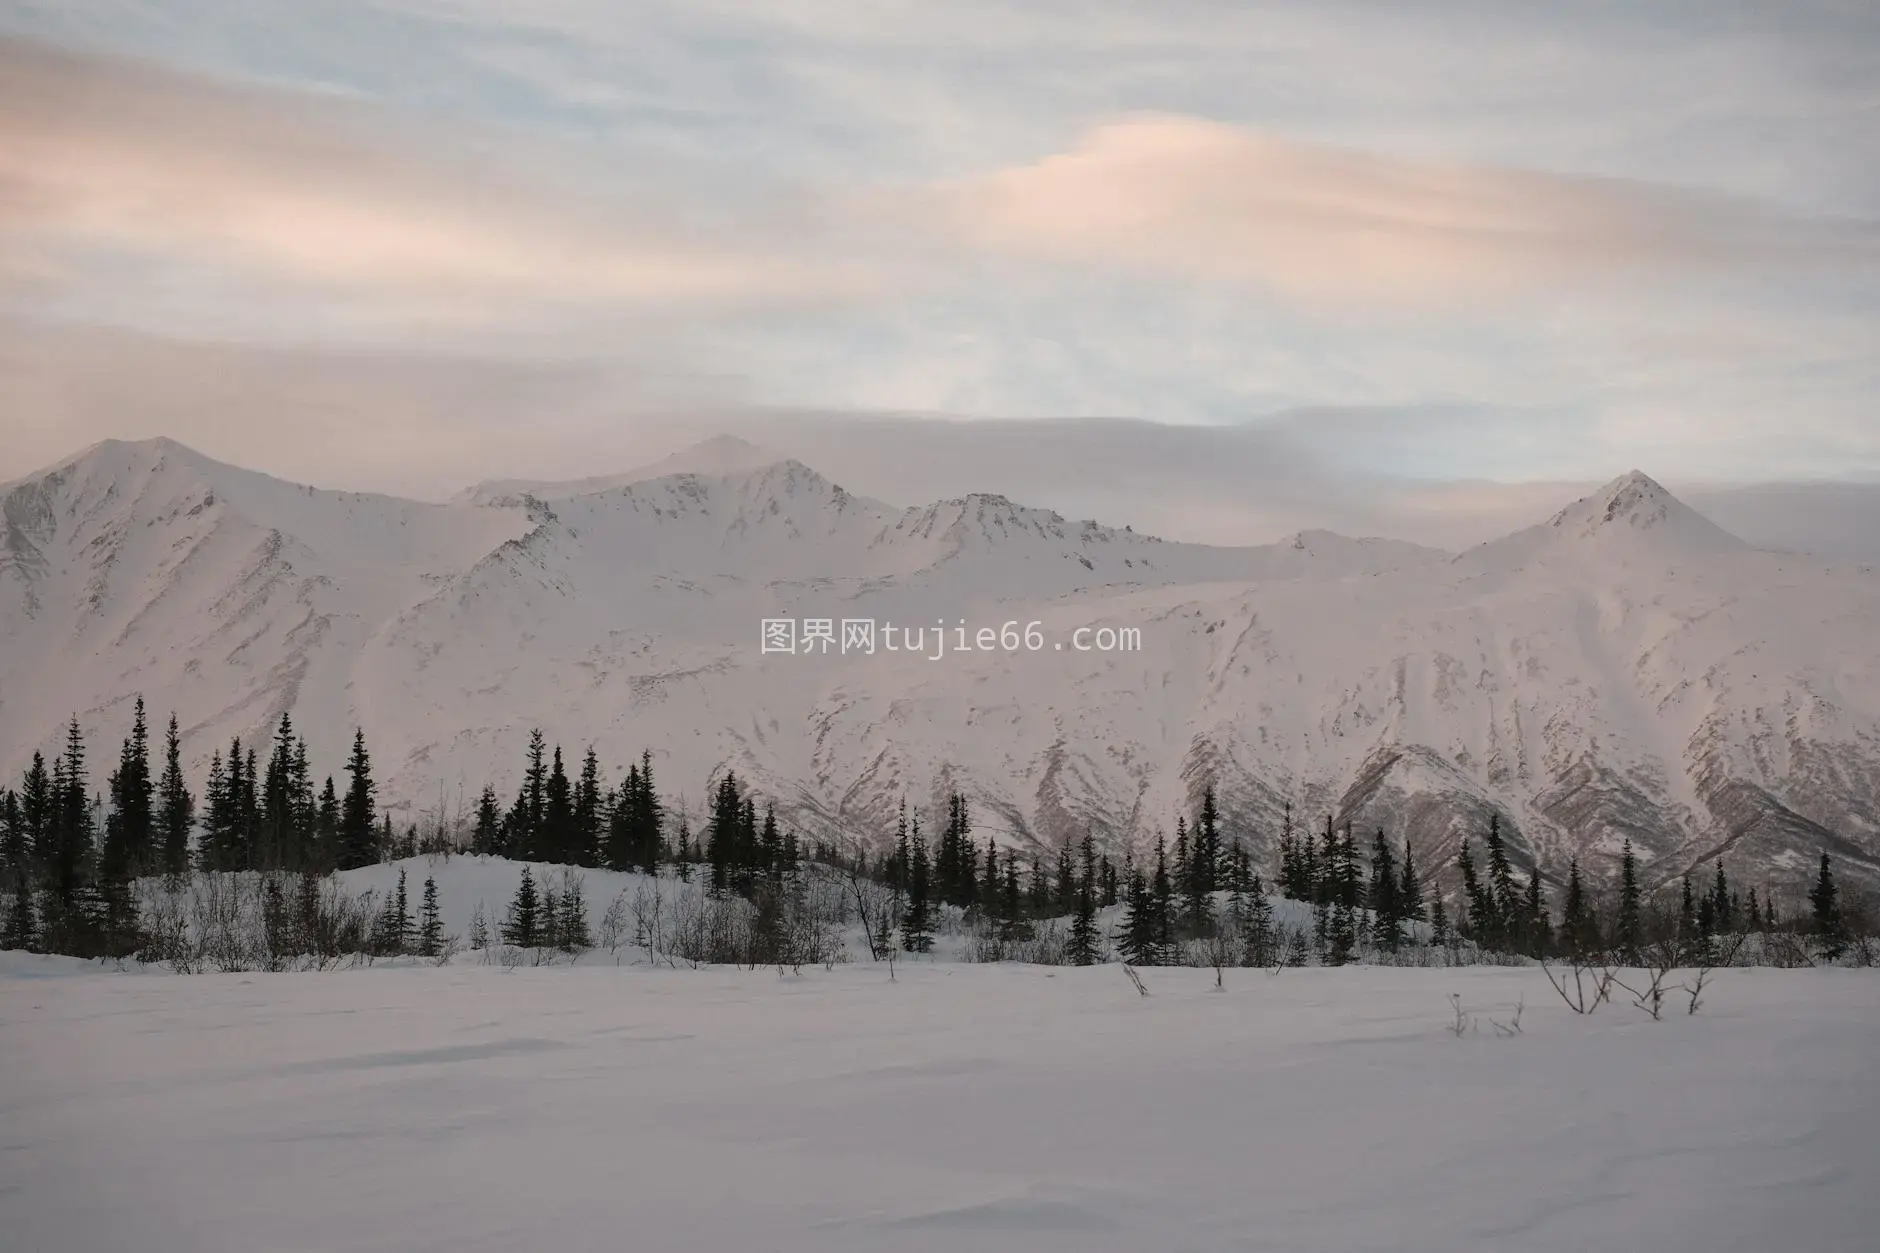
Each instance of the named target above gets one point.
<point>412,244</point>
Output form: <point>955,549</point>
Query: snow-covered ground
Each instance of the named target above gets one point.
<point>957,1107</point>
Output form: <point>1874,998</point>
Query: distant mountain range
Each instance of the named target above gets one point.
<point>1624,669</point>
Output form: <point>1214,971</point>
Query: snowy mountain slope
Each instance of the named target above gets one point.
<point>716,457</point>
<point>1624,669</point>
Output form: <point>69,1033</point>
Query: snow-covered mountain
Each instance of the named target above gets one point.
<point>1624,669</point>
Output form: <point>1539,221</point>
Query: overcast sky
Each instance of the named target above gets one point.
<point>409,244</point>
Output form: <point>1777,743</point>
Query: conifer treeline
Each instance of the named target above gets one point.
<point>68,859</point>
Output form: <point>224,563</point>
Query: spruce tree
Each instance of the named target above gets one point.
<point>1508,902</point>
<point>557,838</point>
<point>22,929</point>
<point>1384,888</point>
<point>531,804</point>
<point>1066,899</point>
<point>917,918</point>
<point>571,921</point>
<point>1083,936</point>
<point>430,921</point>
<point>1292,867</point>
<point>1410,887</point>
<point>1257,936</point>
<point>326,824</point>
<point>721,835</point>
<point>1162,906</point>
<point>521,925</point>
<point>176,808</point>
<point>1534,918</point>
<point>1722,910</point>
<point>486,835</point>
<point>649,818</point>
<point>282,835</point>
<point>357,843</point>
<point>1136,939</point>
<point>585,829</point>
<point>129,828</point>
<point>67,921</point>
<point>1628,929</point>
<point>1576,932</point>
<point>1830,927</point>
<point>1479,921</point>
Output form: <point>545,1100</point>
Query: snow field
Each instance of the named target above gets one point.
<point>471,1108</point>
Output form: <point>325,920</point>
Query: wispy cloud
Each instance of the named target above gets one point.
<point>1192,199</point>
<point>99,155</point>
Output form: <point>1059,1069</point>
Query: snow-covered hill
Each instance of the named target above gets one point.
<point>1624,669</point>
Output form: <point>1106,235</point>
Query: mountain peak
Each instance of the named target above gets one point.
<point>1636,503</point>
<point>1634,498</point>
<point>1633,515</point>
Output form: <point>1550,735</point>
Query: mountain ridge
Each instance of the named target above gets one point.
<point>1624,668</point>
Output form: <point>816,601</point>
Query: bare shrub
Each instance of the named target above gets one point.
<point>611,931</point>
<point>1461,1022</point>
<point>1589,987</point>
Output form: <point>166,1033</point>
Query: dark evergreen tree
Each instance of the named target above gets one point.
<point>532,803</point>
<point>557,838</point>
<point>16,876</point>
<point>1410,887</point>
<point>1066,899</point>
<point>283,831</point>
<point>1084,938</point>
<point>1183,875</point>
<point>1722,908</point>
<point>770,847</point>
<point>1259,942</point>
<point>486,836</point>
<point>326,827</point>
<point>130,825</point>
<point>176,808</point>
<point>649,818</point>
<point>1162,906</point>
<point>571,920</point>
<point>430,921</point>
<point>1481,921</point>
<point>1207,846</point>
<point>1509,906</point>
<point>357,843</point>
<point>721,836</point>
<point>1829,925</point>
<point>585,828</point>
<point>1136,937</point>
<point>67,918</point>
<point>1628,930</point>
<point>522,924</point>
<point>1537,929</point>
<point>1293,880</point>
<point>1385,910</point>
<point>917,918</point>
<point>1577,936</point>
